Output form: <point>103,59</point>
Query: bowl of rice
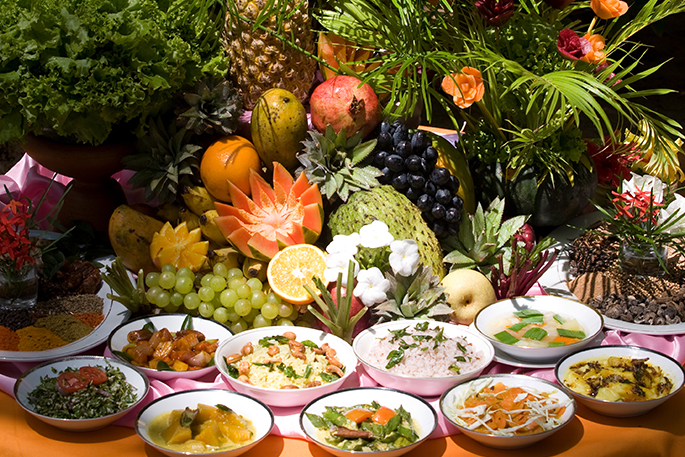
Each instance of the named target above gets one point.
<point>285,366</point>
<point>422,357</point>
<point>507,411</point>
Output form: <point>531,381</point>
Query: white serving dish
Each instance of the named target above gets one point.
<point>449,398</point>
<point>424,386</point>
<point>669,366</point>
<point>253,410</point>
<point>31,379</point>
<point>114,314</point>
<point>420,411</point>
<point>588,317</point>
<point>172,322</point>
<point>285,397</point>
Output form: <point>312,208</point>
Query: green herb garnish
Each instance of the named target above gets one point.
<point>310,344</point>
<point>527,313</point>
<point>232,371</point>
<point>287,370</point>
<point>559,319</point>
<point>535,333</point>
<point>518,326</point>
<point>270,340</point>
<point>398,334</point>
<point>579,334</point>
<point>224,408</point>
<point>533,320</point>
<point>187,323</point>
<point>422,326</point>
<point>394,357</point>
<point>461,347</point>
<point>506,337</point>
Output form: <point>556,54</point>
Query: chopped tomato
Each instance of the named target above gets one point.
<point>93,374</point>
<point>71,382</point>
<point>383,415</point>
<point>358,415</point>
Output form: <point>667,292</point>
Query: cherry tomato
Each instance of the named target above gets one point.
<point>70,382</point>
<point>93,374</point>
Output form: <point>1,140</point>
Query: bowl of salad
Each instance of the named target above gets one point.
<point>508,411</point>
<point>214,422</point>
<point>81,393</point>
<point>538,328</point>
<point>368,420</point>
<point>169,346</point>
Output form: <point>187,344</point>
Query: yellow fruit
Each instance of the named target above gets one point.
<point>253,268</point>
<point>197,199</point>
<point>454,160</point>
<point>179,247</point>
<point>279,125</point>
<point>228,159</point>
<point>468,291</point>
<point>294,267</point>
<point>130,234</point>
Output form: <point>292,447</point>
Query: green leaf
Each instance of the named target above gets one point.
<point>579,334</point>
<point>535,333</point>
<point>506,337</point>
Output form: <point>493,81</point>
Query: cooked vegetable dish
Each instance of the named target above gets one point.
<point>618,379</point>
<point>365,427</point>
<point>82,393</point>
<point>200,430</point>
<point>535,329</point>
<point>497,409</point>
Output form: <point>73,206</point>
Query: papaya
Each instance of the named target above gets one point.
<point>130,234</point>
<point>455,161</point>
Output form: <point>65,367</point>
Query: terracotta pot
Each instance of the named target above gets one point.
<point>94,194</point>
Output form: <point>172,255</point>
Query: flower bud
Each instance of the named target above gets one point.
<point>571,46</point>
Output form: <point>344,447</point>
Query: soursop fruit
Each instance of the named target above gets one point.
<point>402,217</point>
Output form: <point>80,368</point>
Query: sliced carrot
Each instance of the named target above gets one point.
<point>358,415</point>
<point>499,420</point>
<point>383,415</point>
<point>565,340</point>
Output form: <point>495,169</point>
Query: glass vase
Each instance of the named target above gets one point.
<point>18,287</point>
<point>642,260</point>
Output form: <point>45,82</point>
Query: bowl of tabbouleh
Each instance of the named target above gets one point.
<point>81,393</point>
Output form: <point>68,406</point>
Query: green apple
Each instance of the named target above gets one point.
<point>468,291</point>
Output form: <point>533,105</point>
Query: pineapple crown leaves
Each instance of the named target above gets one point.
<point>414,297</point>
<point>333,161</point>
<point>483,236</point>
<point>214,108</point>
<point>339,320</point>
<point>165,162</point>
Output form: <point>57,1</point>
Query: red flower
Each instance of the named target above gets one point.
<point>571,46</point>
<point>612,161</point>
<point>496,12</point>
<point>15,244</point>
<point>638,207</point>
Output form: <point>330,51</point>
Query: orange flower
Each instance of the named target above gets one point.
<point>608,9</point>
<point>596,55</point>
<point>466,87</point>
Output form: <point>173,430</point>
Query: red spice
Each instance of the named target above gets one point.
<point>91,319</point>
<point>9,340</point>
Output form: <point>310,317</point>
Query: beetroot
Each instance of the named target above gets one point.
<point>355,307</point>
<point>344,104</point>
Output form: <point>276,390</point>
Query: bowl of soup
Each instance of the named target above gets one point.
<point>539,328</point>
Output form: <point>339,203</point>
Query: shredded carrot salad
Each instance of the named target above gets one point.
<point>508,411</point>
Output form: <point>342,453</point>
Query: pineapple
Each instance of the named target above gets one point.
<point>271,54</point>
<point>165,162</point>
<point>213,108</point>
<point>332,160</point>
<point>418,296</point>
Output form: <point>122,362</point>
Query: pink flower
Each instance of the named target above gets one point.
<point>496,12</point>
<point>571,46</point>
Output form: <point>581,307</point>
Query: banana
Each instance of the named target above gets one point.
<point>170,212</point>
<point>229,256</point>
<point>197,199</point>
<point>209,228</point>
<point>191,219</point>
<point>253,268</point>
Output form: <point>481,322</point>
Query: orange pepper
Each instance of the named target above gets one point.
<point>358,415</point>
<point>383,415</point>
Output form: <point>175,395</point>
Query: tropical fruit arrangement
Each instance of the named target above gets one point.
<point>266,190</point>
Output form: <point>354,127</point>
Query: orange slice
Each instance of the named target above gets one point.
<point>293,268</point>
<point>179,247</point>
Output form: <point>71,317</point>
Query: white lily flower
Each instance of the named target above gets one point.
<point>645,183</point>
<point>371,286</point>
<point>404,258</point>
<point>375,235</point>
<point>676,206</point>
<point>339,263</point>
<point>346,244</point>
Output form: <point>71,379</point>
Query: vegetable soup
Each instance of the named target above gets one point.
<point>535,329</point>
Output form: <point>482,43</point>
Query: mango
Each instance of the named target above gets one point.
<point>130,234</point>
<point>278,126</point>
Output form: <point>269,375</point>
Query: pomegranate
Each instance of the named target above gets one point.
<point>526,235</point>
<point>345,103</point>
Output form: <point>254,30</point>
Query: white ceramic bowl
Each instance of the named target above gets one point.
<point>424,386</point>
<point>450,397</point>
<point>589,319</point>
<point>172,322</point>
<point>669,367</point>
<point>253,410</point>
<point>421,412</point>
<point>285,397</point>
<point>31,379</point>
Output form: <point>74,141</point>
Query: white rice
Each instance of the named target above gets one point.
<point>426,360</point>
